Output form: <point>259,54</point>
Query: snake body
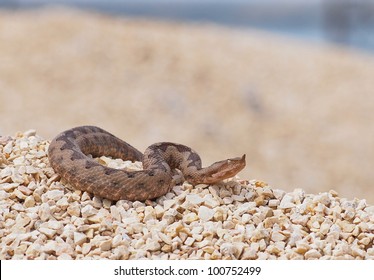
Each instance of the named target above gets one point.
<point>68,155</point>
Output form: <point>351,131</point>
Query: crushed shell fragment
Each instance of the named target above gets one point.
<point>41,218</point>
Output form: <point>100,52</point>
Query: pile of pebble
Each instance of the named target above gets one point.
<point>41,217</point>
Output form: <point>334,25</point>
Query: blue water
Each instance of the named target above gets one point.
<point>348,23</point>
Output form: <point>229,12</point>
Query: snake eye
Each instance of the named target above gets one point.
<point>130,175</point>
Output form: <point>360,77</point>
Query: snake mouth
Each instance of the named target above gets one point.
<point>222,170</point>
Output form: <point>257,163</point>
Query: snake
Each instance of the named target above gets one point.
<point>72,156</point>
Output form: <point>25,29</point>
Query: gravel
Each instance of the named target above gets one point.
<point>301,112</point>
<point>41,217</point>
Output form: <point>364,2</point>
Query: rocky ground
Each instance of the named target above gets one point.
<point>302,113</point>
<point>41,217</point>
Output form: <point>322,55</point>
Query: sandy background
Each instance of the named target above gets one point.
<point>303,114</point>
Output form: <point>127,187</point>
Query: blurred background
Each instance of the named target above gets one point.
<point>289,83</point>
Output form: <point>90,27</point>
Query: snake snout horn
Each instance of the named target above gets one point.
<point>224,169</point>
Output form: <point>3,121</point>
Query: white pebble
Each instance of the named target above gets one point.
<point>287,202</point>
<point>7,171</point>
<point>190,217</point>
<point>205,213</point>
<point>33,250</point>
<point>44,212</point>
<point>4,195</point>
<point>189,241</point>
<point>277,236</point>
<point>312,254</point>
<point>74,209</point>
<point>273,202</point>
<point>194,199</point>
<point>64,256</point>
<point>168,203</point>
<point>47,231</point>
<point>8,147</point>
<point>54,195</point>
<point>56,225</point>
<point>88,211</point>
<point>106,245</point>
<point>152,245</point>
<point>79,238</point>
<point>86,247</point>
<point>278,193</point>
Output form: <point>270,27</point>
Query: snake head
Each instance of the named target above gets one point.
<point>221,170</point>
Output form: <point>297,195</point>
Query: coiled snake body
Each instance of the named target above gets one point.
<point>68,157</point>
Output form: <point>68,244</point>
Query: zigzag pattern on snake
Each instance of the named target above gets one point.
<point>68,156</point>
